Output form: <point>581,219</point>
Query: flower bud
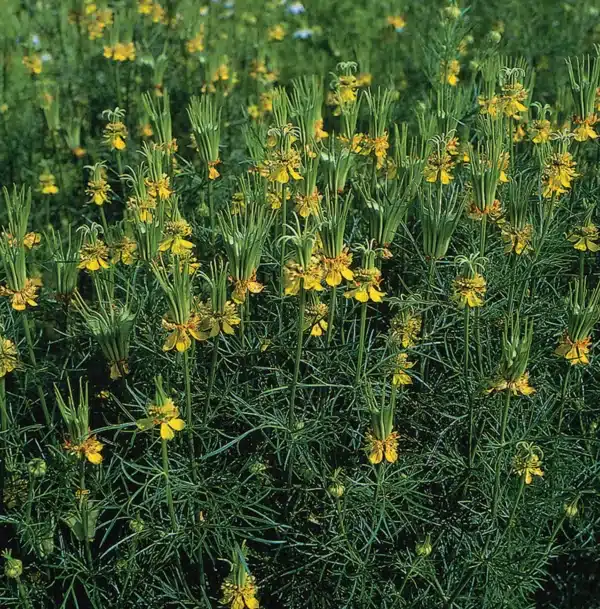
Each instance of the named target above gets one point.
<point>13,567</point>
<point>37,468</point>
<point>424,548</point>
<point>136,525</point>
<point>336,489</point>
<point>571,509</point>
<point>494,37</point>
<point>452,13</point>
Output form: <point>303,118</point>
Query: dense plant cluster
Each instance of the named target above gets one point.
<point>299,304</point>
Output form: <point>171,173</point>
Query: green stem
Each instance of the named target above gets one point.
<point>331,316</point>
<point>188,411</point>
<point>563,395</point>
<point>467,383</point>
<point>165,464</point>
<point>83,512</point>
<point>3,409</point>
<point>34,364</point>
<point>501,451</point>
<point>104,223</point>
<point>211,212</point>
<point>213,375</point>
<point>283,240</point>
<point>361,341</point>
<point>581,266</point>
<point>483,235</point>
<point>299,341</point>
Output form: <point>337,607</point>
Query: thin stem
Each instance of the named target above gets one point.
<point>83,511</point>
<point>563,395</point>
<point>331,316</point>
<point>361,341</point>
<point>299,341</point>
<point>3,409</point>
<point>188,411</point>
<point>165,464</point>
<point>211,212</point>
<point>500,451</point>
<point>211,378</point>
<point>34,364</point>
<point>283,240</point>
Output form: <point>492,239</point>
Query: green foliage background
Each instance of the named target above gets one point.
<point>306,547</point>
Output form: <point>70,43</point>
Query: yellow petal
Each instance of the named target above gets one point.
<point>177,424</point>
<point>166,433</point>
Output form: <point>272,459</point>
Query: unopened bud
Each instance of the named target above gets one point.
<point>571,509</point>
<point>452,13</point>
<point>13,567</point>
<point>37,468</point>
<point>494,37</point>
<point>424,549</point>
<point>336,489</point>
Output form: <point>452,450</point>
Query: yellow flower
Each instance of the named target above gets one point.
<point>337,268</point>
<point>405,328</point>
<point>318,131</point>
<point>243,286</point>
<point>145,7</point>
<point>528,465</point>
<point>367,283</point>
<point>79,152</point>
<point>213,174</point>
<point>282,167</point>
<point>167,416</point>
<point>214,322</point>
<point>493,211</point>
<point>584,238</point>
<point>174,241</point>
<point>90,448</point>
<point>469,291</point>
<point>121,51</point>
<point>124,251</point>
<point>401,364</point>
<point>93,256</point>
<point>378,449</point>
<point>514,94</point>
<point>180,333</point>
<point>585,130</point>
<point>520,386</point>
<point>48,184</point>
<point>397,22</point>
<point>308,205</point>
<point>276,33</point>
<point>8,356</point>
<point>315,319</point>
<point>575,352</point>
<point>491,106</point>
<point>196,44</point>
<point>450,72</point>
<point>159,189</point>
<point>558,172</point>
<point>240,595</point>
<point>517,240</point>
<point>146,130</point>
<point>438,168</point>
<point>539,132</point>
<point>98,191</point>
<point>31,240</point>
<point>115,134</point>
<point>24,297</point>
<point>293,273</point>
<point>33,63</point>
